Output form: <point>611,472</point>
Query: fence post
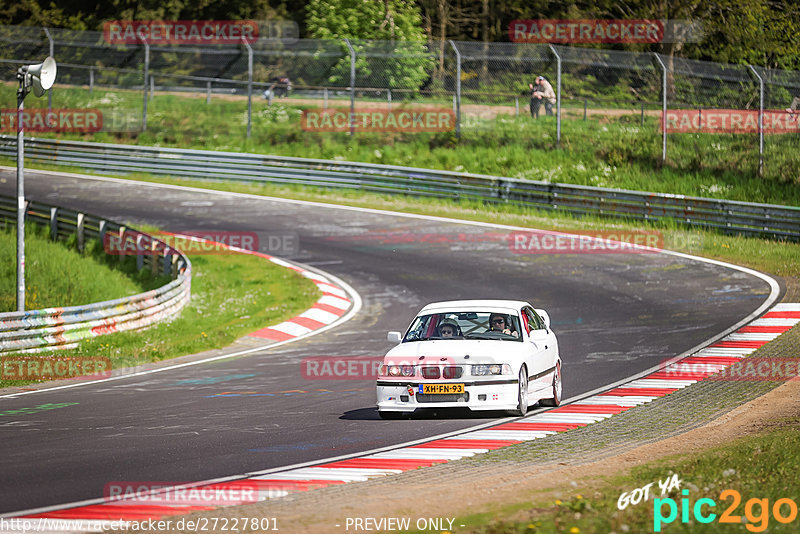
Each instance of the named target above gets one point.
<point>79,226</point>
<point>325,98</point>
<point>389,97</point>
<point>208,92</point>
<point>146,74</point>
<point>52,55</point>
<point>352,118</point>
<point>53,224</point>
<point>663,108</point>
<point>458,89</point>
<point>558,95</point>
<point>249,85</point>
<point>516,106</point>
<point>760,121</point>
<point>642,123</point>
<point>152,86</point>
<point>585,108</point>
<point>91,81</point>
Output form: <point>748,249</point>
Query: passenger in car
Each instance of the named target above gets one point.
<point>449,328</point>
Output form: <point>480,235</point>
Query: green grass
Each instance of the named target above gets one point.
<point>608,152</point>
<point>232,295</point>
<point>762,466</point>
<point>58,276</point>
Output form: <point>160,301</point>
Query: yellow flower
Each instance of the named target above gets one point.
<point>558,502</point>
<point>578,496</point>
<point>574,530</point>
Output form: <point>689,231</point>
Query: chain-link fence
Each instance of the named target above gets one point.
<point>691,114</point>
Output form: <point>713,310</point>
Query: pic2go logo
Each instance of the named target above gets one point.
<point>756,511</point>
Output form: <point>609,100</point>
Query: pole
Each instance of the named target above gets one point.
<point>458,89</point>
<point>146,74</point>
<point>558,95</point>
<point>249,86</point>
<point>760,121</point>
<point>52,54</point>
<point>352,86</point>
<point>663,108</point>
<point>20,196</point>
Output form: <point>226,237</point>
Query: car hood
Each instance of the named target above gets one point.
<point>455,351</point>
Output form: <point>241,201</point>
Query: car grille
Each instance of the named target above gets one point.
<point>424,398</point>
<point>448,372</point>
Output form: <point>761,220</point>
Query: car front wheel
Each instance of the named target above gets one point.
<point>555,400</point>
<point>522,393</point>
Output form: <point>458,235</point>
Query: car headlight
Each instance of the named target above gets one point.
<point>491,369</point>
<point>397,370</point>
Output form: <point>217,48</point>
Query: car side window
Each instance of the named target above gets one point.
<point>534,321</point>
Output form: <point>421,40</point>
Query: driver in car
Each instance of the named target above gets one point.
<point>499,323</point>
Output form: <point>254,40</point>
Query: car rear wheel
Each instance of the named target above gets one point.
<point>555,400</point>
<point>522,393</point>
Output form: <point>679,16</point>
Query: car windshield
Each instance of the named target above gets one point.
<point>465,325</point>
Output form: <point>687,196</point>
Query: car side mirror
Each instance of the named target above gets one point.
<point>543,314</point>
<point>394,337</point>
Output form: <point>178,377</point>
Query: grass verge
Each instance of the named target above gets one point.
<point>622,151</point>
<point>232,295</point>
<point>59,276</point>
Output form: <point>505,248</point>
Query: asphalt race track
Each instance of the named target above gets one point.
<point>615,315</point>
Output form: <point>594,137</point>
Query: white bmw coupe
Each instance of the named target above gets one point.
<point>476,354</point>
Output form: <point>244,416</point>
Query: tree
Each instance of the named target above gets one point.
<point>401,60</point>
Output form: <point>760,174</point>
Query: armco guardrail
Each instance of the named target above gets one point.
<point>50,328</point>
<point>728,216</point>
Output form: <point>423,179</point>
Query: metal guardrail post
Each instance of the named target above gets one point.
<point>760,121</point>
<point>663,108</point>
<point>249,86</point>
<point>52,55</point>
<point>53,223</point>
<point>458,89</point>
<point>352,118</point>
<point>79,226</point>
<point>558,95</point>
<point>144,88</point>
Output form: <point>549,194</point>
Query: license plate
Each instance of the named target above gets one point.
<point>441,389</point>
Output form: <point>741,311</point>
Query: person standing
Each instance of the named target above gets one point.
<point>546,94</point>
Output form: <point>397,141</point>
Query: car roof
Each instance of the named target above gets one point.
<point>475,305</point>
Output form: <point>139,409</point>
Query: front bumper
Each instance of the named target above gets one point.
<point>496,393</point>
